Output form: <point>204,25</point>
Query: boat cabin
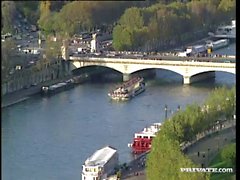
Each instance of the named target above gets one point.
<point>101,164</point>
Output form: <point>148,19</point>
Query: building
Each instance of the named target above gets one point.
<point>94,43</point>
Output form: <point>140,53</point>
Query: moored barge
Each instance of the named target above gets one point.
<point>53,89</point>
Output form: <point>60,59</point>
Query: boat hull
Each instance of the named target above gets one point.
<point>141,145</point>
<point>142,141</point>
<point>51,91</point>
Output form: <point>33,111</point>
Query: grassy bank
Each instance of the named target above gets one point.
<point>219,162</point>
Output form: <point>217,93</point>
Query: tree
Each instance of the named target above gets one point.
<point>8,13</point>
<point>228,154</point>
<point>132,18</point>
<point>45,16</point>
<point>122,38</point>
<point>165,160</point>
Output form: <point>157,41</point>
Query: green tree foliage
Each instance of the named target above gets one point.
<point>77,16</point>
<point>227,10</point>
<point>45,21</point>
<point>172,23</point>
<point>53,48</point>
<point>165,161</point>
<point>228,7</point>
<point>130,32</point>
<point>166,158</point>
<point>221,103</point>
<point>124,38</point>
<point>8,13</point>
<point>228,154</point>
<point>132,18</point>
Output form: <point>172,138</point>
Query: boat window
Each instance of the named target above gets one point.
<point>138,136</point>
<point>145,137</point>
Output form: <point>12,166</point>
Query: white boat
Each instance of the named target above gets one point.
<point>193,50</point>
<point>128,89</point>
<point>228,31</point>
<point>101,164</point>
<point>214,45</point>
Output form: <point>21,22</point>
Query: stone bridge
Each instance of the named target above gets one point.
<point>191,70</point>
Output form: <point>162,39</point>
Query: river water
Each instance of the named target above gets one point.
<point>50,138</point>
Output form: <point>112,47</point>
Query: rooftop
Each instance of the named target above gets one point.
<point>101,156</point>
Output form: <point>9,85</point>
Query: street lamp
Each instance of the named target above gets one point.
<point>166,108</point>
<point>208,156</point>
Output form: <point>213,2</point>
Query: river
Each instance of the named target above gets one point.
<point>50,138</point>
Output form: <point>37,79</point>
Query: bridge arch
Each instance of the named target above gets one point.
<point>187,69</point>
<point>117,70</point>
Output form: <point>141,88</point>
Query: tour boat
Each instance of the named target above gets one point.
<point>142,140</point>
<point>128,89</point>
<point>49,90</point>
<point>101,164</point>
<point>214,45</point>
<point>228,31</point>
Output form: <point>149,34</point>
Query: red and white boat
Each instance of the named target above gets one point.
<point>142,140</point>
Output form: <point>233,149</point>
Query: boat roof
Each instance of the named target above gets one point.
<point>101,156</point>
<point>226,27</point>
<point>58,85</point>
<point>151,130</point>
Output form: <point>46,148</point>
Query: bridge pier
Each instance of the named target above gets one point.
<point>126,77</point>
<point>198,77</point>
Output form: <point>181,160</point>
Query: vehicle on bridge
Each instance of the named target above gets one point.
<point>142,140</point>
<point>128,89</point>
<point>214,45</point>
<point>193,51</point>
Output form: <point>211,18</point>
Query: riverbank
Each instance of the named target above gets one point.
<point>200,152</point>
<point>24,94</point>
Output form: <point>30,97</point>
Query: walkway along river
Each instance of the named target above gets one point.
<point>50,138</point>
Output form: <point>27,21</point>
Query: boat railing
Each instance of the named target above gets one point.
<point>131,82</point>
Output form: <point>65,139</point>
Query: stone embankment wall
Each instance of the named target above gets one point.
<point>28,77</point>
